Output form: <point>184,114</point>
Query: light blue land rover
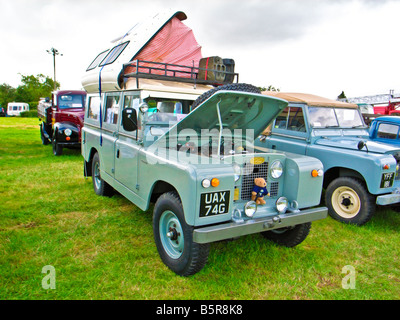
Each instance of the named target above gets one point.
<point>359,173</point>
<point>199,168</point>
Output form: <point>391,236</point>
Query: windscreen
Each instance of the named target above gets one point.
<point>69,101</point>
<point>323,117</point>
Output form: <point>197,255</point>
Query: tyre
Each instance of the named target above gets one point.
<point>100,187</point>
<point>230,87</point>
<point>45,141</point>
<point>290,236</point>
<point>349,201</point>
<point>57,149</point>
<point>174,238</point>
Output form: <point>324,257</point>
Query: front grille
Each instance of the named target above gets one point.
<point>252,171</point>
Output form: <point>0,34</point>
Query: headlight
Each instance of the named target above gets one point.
<point>282,204</point>
<point>276,169</point>
<point>250,208</point>
<point>237,171</point>
<point>67,132</point>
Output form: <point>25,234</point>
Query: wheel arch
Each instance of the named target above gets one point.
<point>160,187</point>
<point>336,172</point>
<point>89,162</point>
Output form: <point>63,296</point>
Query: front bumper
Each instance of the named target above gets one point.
<point>70,144</point>
<point>232,229</point>
<point>388,199</point>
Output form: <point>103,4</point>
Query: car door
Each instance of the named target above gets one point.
<point>109,133</point>
<point>127,148</point>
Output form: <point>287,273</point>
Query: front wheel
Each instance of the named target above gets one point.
<point>57,149</point>
<point>45,141</point>
<point>289,236</point>
<point>174,238</point>
<point>349,201</point>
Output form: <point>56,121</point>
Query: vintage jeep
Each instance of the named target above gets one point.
<point>199,168</point>
<point>359,173</point>
<point>62,119</point>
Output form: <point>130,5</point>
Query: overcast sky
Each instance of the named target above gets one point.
<point>312,46</point>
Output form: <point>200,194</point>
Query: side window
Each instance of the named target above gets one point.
<point>112,110</point>
<point>131,101</point>
<point>281,120</point>
<point>296,120</point>
<point>387,131</point>
<point>93,108</point>
<point>292,119</point>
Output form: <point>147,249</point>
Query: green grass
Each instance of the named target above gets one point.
<point>103,248</point>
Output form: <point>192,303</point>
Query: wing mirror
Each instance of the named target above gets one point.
<point>129,119</point>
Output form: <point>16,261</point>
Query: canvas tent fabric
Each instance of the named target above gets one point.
<point>310,99</point>
<point>174,44</point>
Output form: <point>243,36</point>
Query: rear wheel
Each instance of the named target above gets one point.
<point>100,187</point>
<point>174,238</point>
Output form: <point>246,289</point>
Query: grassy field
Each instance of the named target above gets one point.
<point>103,248</point>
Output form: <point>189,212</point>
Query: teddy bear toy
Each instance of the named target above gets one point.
<point>259,191</point>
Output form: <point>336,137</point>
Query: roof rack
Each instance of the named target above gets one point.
<point>174,72</point>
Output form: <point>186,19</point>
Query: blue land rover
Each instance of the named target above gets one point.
<point>359,173</point>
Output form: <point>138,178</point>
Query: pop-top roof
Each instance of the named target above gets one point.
<point>109,63</point>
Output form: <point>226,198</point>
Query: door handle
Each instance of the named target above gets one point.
<point>117,153</point>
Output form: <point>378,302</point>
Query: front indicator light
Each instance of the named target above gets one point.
<point>282,204</point>
<point>215,182</point>
<point>250,208</point>
<point>317,173</point>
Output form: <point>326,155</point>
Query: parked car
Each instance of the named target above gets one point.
<point>62,119</point>
<point>359,173</point>
<point>386,130</point>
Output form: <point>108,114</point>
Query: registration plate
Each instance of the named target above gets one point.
<point>387,180</point>
<point>214,203</point>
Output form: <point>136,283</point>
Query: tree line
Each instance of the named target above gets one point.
<point>30,91</point>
